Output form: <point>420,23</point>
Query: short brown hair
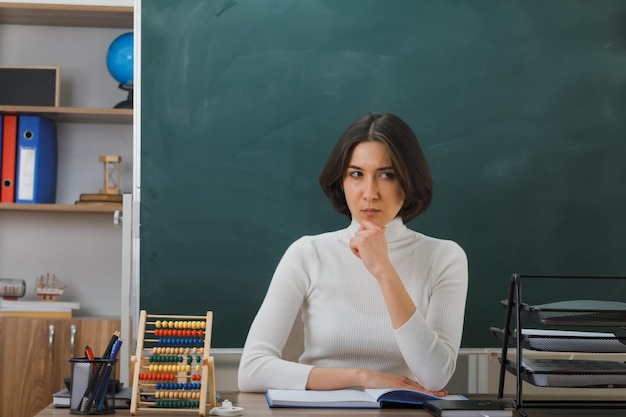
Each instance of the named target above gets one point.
<point>407,159</point>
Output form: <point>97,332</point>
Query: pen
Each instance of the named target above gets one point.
<point>109,347</point>
<point>92,380</point>
<point>100,396</point>
<point>89,354</point>
<point>107,351</point>
<point>99,371</point>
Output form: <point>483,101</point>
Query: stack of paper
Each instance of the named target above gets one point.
<point>22,308</point>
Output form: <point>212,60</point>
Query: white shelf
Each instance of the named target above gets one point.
<point>76,114</point>
<point>61,208</point>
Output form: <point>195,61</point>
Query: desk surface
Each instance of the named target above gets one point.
<point>255,406</point>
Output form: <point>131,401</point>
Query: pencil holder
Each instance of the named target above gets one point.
<point>91,391</point>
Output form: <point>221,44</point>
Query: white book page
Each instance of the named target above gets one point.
<point>310,396</point>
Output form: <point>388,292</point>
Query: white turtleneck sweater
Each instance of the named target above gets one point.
<point>346,323</point>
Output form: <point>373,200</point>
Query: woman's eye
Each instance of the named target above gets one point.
<point>355,174</point>
<point>388,175</point>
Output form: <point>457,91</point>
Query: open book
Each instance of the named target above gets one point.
<point>351,398</point>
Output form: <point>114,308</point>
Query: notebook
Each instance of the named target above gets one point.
<point>351,398</point>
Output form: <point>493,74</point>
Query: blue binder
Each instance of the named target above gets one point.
<point>36,176</point>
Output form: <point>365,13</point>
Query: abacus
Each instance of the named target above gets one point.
<point>173,368</point>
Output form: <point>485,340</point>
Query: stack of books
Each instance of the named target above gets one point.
<point>100,200</point>
<point>48,309</point>
<point>122,398</point>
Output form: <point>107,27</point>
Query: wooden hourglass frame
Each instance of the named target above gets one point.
<point>111,180</point>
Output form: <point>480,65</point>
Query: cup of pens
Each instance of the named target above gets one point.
<point>91,389</point>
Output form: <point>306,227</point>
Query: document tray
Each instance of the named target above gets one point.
<point>566,373</point>
<point>575,313</point>
<point>564,341</point>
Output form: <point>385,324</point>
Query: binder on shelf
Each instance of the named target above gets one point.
<point>36,178</point>
<point>9,145</point>
<point>1,118</point>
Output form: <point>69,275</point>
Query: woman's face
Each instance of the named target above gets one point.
<point>370,185</point>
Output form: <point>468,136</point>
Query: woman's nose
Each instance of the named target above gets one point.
<point>371,191</point>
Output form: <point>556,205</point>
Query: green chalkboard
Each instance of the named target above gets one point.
<point>520,107</point>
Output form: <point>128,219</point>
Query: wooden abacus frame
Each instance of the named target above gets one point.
<point>141,362</point>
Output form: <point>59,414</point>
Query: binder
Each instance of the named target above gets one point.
<point>36,180</point>
<point>9,144</point>
<point>1,118</point>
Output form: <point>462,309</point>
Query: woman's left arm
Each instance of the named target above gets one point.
<point>430,343</point>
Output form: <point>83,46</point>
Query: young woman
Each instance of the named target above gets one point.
<point>382,305</point>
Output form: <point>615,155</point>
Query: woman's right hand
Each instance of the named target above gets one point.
<point>372,379</point>
<point>321,378</point>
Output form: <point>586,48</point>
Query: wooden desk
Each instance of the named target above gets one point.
<point>255,406</point>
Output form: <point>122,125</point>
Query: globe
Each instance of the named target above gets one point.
<point>120,60</point>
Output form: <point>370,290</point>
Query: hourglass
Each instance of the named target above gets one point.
<point>111,174</point>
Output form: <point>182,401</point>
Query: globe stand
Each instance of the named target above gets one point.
<point>128,103</point>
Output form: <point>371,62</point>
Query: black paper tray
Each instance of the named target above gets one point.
<point>564,373</point>
<point>575,313</point>
<point>564,341</point>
